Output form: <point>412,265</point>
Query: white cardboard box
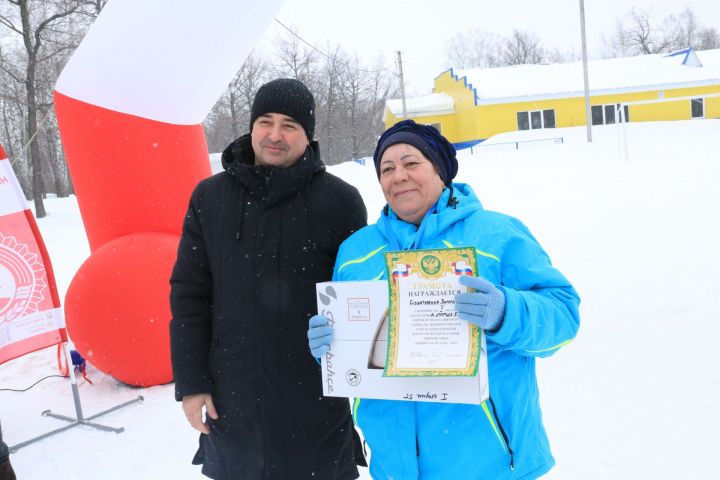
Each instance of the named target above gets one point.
<point>353,365</point>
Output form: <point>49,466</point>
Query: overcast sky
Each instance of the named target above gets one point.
<point>420,29</point>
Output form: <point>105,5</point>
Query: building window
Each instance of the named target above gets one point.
<point>523,121</point>
<point>536,119</point>
<point>549,118</point>
<point>697,107</point>
<point>609,114</point>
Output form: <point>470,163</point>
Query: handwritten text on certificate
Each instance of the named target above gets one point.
<point>425,336</point>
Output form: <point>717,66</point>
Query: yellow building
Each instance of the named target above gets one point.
<point>471,105</point>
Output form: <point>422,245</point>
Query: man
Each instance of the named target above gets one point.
<point>256,239</point>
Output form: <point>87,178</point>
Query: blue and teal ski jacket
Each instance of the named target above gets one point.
<point>504,437</point>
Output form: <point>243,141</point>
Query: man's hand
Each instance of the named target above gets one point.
<point>320,335</point>
<point>485,307</point>
<point>193,407</point>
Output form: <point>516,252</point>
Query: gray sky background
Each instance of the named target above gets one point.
<point>421,29</point>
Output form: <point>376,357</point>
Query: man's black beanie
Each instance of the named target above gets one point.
<point>289,97</point>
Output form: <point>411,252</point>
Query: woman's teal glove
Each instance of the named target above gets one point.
<point>485,307</point>
<point>320,335</point>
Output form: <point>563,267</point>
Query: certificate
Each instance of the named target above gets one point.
<point>354,366</point>
<point>425,336</point>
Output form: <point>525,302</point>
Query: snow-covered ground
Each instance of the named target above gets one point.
<point>634,396</point>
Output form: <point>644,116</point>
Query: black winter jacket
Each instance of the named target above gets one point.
<point>255,241</point>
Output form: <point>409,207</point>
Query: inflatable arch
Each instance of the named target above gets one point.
<point>130,105</point>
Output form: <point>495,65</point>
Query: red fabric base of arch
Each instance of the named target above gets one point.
<point>117,308</point>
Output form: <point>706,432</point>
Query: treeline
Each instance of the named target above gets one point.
<point>37,37</point>
<point>349,96</point>
<point>36,40</point>
<point>636,33</point>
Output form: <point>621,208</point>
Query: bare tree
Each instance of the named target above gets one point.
<point>363,98</point>
<point>218,131</point>
<point>681,31</point>
<point>708,39</point>
<point>639,34</point>
<point>93,7</point>
<point>294,59</point>
<point>13,135</point>
<point>11,96</point>
<point>480,49</point>
<point>474,49</point>
<point>522,48</point>
<point>242,91</point>
<point>230,117</point>
<point>349,96</point>
<point>685,31</point>
<point>55,157</point>
<point>555,55</point>
<point>327,90</point>
<point>40,25</point>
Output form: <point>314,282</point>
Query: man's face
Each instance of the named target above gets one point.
<point>277,140</point>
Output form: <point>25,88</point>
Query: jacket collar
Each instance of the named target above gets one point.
<point>402,235</point>
<point>269,184</point>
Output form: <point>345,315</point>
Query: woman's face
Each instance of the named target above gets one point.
<point>409,181</point>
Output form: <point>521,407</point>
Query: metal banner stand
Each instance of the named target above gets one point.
<point>79,419</point>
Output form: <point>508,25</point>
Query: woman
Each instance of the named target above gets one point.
<point>526,306</point>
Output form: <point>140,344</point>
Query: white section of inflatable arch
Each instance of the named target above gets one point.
<point>134,95</point>
<point>164,60</point>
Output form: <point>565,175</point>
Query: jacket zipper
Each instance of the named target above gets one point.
<point>504,435</point>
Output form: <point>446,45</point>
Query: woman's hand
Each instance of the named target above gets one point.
<point>485,307</point>
<point>320,335</point>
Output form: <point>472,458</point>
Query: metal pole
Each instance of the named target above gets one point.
<point>588,115</point>
<point>73,382</point>
<point>79,419</point>
<point>624,132</point>
<point>402,83</point>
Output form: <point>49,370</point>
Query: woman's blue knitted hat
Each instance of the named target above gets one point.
<point>425,138</point>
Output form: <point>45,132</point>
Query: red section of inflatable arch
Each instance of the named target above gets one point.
<point>116,308</point>
<point>148,189</point>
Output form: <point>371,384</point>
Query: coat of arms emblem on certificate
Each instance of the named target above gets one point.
<point>425,337</point>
